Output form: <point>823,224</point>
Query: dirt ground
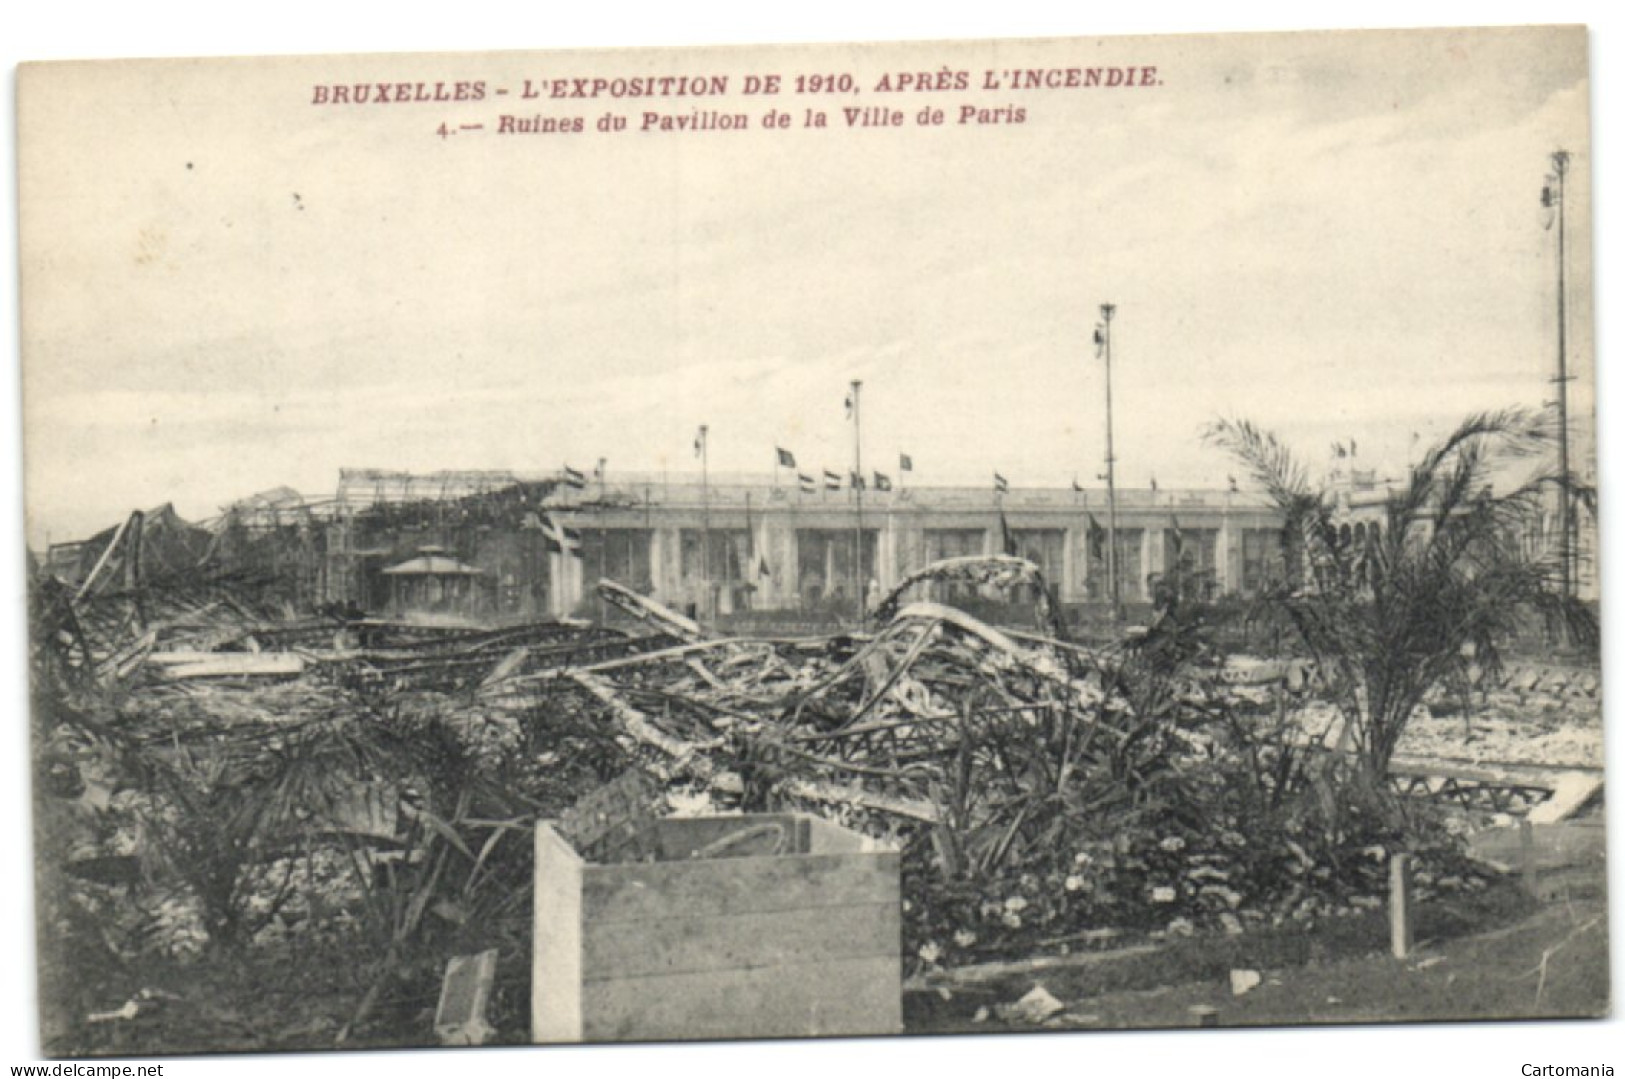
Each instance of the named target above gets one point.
<point>1544,958</point>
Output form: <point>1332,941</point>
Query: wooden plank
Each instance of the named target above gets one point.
<point>1401,908</point>
<point>686,944</point>
<point>235,664</point>
<point>1570,792</point>
<point>827,837</point>
<point>177,657</point>
<point>675,652</point>
<point>555,997</point>
<point>640,892</point>
<point>465,995</point>
<point>1526,850</point>
<point>681,837</point>
<point>829,998</point>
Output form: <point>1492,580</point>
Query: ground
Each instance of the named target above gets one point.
<point>1322,961</point>
<point>1544,957</point>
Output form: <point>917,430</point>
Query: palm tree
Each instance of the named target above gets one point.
<point>1451,572</point>
<point>220,816</point>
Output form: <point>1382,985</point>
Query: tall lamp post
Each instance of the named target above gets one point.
<point>857,490</point>
<point>702,446</point>
<point>1103,337</point>
<point>1550,197</point>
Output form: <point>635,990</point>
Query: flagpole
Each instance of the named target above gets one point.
<point>998,504</point>
<point>1106,312</point>
<point>1560,167</point>
<point>705,519</point>
<point>750,549</point>
<point>857,489</point>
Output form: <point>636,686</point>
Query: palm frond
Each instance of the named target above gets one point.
<point>1455,567</point>
<point>1457,465</point>
<point>1268,460</point>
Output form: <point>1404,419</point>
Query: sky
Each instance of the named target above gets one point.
<point>226,288</point>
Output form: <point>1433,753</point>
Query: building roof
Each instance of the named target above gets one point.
<point>437,565</point>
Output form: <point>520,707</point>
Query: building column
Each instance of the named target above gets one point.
<point>1071,564</point>
<point>889,545</point>
<point>668,566</point>
<point>775,542</point>
<point>1153,557</point>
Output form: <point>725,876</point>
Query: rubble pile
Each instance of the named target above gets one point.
<point>377,779</point>
<point>1529,714</point>
<point>452,660</point>
<point>1049,794</point>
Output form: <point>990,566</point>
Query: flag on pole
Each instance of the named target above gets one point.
<point>1075,488</point>
<point>855,481</point>
<point>882,482</point>
<point>699,442</point>
<point>1100,340</point>
<point>905,463</point>
<point>1000,484</point>
<point>574,478</point>
<point>1551,195</point>
<point>1097,540</point>
<point>1153,485</point>
<point>762,570</point>
<point>1232,480</point>
<point>849,406</point>
<point>786,458</point>
<point>1007,539</point>
<point>808,484</point>
<point>832,480</point>
<point>1178,535</point>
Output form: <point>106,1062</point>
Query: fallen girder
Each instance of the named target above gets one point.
<point>692,760</point>
<point>1006,572</point>
<point>874,723</point>
<point>647,610</point>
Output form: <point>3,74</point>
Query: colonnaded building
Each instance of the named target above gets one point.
<point>740,543</point>
<point>496,547</point>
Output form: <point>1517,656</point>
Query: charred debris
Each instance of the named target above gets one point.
<point>235,775</point>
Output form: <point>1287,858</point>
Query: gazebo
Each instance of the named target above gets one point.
<point>435,585</point>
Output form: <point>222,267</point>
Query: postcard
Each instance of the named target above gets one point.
<point>532,548</point>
